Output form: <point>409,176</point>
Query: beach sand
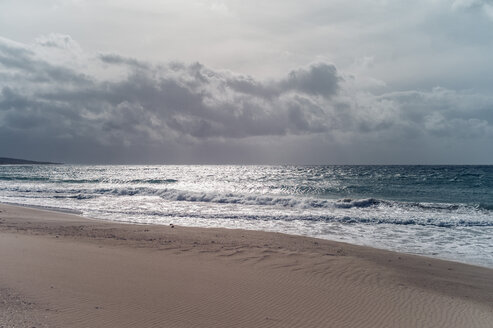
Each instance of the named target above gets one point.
<point>62,270</point>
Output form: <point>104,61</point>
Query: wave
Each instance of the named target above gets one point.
<point>288,201</point>
<point>154,181</point>
<point>87,181</point>
<point>351,203</point>
<point>351,220</point>
<point>369,211</point>
<point>23,178</point>
<point>286,207</point>
<point>78,196</point>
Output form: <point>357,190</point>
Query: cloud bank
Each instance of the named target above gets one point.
<point>59,103</point>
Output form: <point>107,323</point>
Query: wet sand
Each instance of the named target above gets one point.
<point>62,270</point>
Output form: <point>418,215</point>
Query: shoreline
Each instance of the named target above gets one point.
<point>79,213</point>
<point>110,274</point>
<point>48,208</point>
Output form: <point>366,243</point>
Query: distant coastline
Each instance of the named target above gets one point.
<point>7,161</point>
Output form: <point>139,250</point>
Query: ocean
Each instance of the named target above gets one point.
<point>438,211</point>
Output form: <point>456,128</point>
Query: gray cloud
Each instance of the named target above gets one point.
<point>179,112</point>
<point>318,79</point>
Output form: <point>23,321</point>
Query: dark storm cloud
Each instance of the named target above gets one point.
<point>187,99</point>
<point>446,113</point>
<point>155,112</point>
<point>116,59</point>
<point>319,79</point>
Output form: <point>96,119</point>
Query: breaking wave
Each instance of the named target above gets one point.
<point>346,210</point>
<point>328,218</point>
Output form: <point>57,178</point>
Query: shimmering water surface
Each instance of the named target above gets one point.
<point>442,211</point>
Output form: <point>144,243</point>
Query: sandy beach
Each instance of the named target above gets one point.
<point>63,270</point>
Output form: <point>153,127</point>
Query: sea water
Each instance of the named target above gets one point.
<point>440,211</point>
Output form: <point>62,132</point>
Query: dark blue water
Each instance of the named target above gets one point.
<point>435,184</point>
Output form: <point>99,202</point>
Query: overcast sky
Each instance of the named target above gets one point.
<point>300,82</point>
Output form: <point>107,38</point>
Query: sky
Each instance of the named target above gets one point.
<point>247,82</point>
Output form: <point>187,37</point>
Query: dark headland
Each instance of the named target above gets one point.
<point>6,160</point>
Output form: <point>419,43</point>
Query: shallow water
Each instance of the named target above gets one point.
<point>442,211</point>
